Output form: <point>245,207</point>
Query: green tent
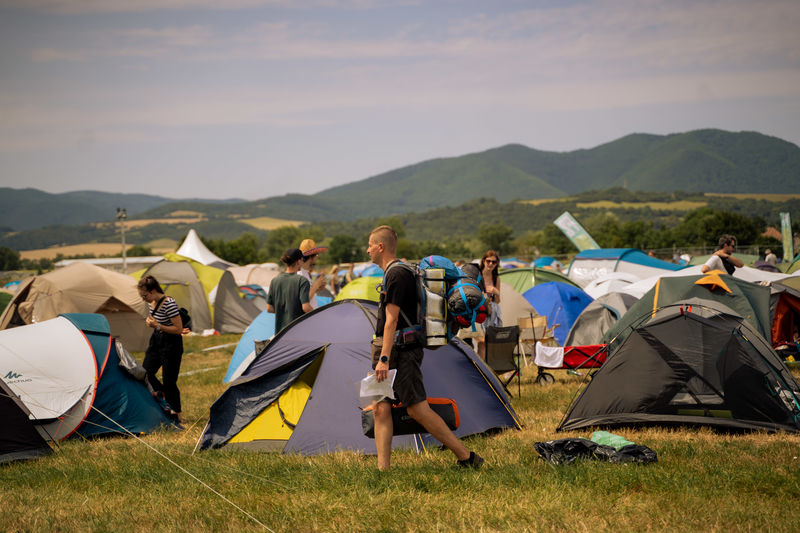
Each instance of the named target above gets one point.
<point>523,279</point>
<point>364,288</point>
<point>749,300</point>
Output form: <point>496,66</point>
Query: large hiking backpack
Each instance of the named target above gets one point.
<point>447,300</point>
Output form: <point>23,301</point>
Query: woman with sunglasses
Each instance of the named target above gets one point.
<point>490,262</point>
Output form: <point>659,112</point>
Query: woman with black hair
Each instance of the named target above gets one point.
<point>490,283</point>
<point>165,350</point>
<point>288,295</point>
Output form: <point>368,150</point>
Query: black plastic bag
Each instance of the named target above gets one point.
<point>565,451</point>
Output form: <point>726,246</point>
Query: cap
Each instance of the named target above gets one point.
<point>309,247</point>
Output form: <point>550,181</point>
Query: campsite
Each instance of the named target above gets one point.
<point>703,481</point>
<point>271,437</point>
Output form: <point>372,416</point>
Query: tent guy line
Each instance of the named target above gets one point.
<point>182,469</point>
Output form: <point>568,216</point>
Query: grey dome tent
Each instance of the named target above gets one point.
<point>300,394</point>
<point>695,362</point>
<point>598,317</point>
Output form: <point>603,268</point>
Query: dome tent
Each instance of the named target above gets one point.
<point>82,288</point>
<point>300,394</point>
<point>694,362</point>
<point>194,286</point>
<point>560,303</point>
<point>67,373</point>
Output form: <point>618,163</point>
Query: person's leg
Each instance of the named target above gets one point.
<point>433,424</point>
<point>384,430</point>
<point>151,364</point>
<point>169,376</point>
<point>410,389</point>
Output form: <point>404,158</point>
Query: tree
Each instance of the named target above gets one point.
<point>495,236</point>
<point>552,241</point>
<point>242,250</point>
<point>345,249</point>
<point>395,223</point>
<point>9,259</point>
<point>281,239</point>
<point>138,250</point>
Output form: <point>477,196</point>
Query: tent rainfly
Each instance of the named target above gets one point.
<point>591,264</point>
<point>193,248</point>
<point>209,294</point>
<point>696,362</point>
<point>67,372</point>
<point>82,288</point>
<point>300,394</point>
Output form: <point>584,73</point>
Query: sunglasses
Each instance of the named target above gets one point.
<point>490,261</point>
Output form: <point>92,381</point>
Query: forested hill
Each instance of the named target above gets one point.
<point>22,209</point>
<point>698,161</point>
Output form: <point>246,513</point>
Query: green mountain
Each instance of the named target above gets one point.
<point>697,161</point>
<point>23,209</point>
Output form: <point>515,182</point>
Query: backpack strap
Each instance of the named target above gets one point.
<point>383,293</point>
<point>158,304</point>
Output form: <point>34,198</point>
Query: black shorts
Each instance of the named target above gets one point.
<point>408,386</point>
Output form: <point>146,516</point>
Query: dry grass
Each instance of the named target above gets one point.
<point>683,205</point>
<point>139,222</point>
<point>96,248</point>
<point>540,201</point>
<point>269,223</point>
<point>703,481</point>
<point>770,197</point>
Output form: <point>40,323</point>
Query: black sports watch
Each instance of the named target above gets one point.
<point>384,359</point>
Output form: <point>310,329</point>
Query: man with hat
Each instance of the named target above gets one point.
<point>310,251</point>
<point>288,292</point>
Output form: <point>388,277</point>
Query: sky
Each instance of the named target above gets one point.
<point>259,98</point>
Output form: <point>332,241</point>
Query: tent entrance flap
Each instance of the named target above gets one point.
<point>272,428</point>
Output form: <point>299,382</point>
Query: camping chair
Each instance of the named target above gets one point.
<point>500,355</point>
<point>532,329</point>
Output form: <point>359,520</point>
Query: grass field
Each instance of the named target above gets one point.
<point>771,197</point>
<point>192,218</point>
<point>683,205</point>
<point>703,481</point>
<point>96,248</point>
<point>269,223</point>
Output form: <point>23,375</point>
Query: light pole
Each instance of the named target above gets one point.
<point>121,216</point>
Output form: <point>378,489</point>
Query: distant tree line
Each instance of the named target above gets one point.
<point>466,231</point>
<point>700,228</point>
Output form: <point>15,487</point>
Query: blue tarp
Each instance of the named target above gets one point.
<point>630,255</point>
<point>560,303</point>
<point>260,329</point>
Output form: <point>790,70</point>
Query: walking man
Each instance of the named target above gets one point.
<point>398,301</point>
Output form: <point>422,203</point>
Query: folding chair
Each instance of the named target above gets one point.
<point>501,344</point>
